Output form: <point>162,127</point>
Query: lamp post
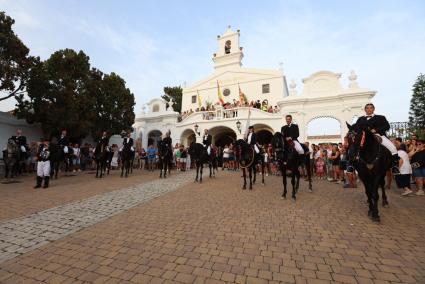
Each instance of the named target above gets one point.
<point>238,126</point>
<point>196,127</point>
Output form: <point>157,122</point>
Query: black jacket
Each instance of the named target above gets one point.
<point>103,141</point>
<point>290,131</point>
<point>253,138</point>
<point>129,143</point>
<point>377,122</point>
<point>63,141</point>
<point>207,140</point>
<point>21,140</point>
<point>43,153</point>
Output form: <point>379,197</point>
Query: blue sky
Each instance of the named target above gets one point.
<point>153,44</point>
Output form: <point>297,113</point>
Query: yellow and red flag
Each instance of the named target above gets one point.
<point>242,97</point>
<point>220,95</point>
<point>199,99</point>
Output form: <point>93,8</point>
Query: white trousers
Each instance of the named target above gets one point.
<point>209,150</point>
<point>298,147</point>
<point>43,168</point>
<point>256,149</point>
<point>388,144</point>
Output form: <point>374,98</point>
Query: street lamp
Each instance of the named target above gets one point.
<point>196,127</point>
<point>238,125</point>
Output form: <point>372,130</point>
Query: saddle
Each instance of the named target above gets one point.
<point>378,138</point>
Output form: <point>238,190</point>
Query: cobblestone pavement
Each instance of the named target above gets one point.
<point>21,235</point>
<point>20,199</point>
<point>217,233</point>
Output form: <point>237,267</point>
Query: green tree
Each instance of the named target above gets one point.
<point>114,103</point>
<point>417,107</point>
<point>58,97</point>
<point>177,94</point>
<point>15,61</point>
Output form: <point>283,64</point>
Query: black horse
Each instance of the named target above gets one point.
<point>249,159</point>
<point>127,155</point>
<point>101,158</point>
<point>199,156</point>
<point>11,157</point>
<point>288,160</point>
<point>57,156</point>
<point>371,161</point>
<point>165,155</point>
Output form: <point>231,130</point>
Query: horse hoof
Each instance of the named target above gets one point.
<point>310,190</point>
<point>294,198</point>
<point>369,213</point>
<point>243,187</point>
<point>376,219</point>
<point>386,205</point>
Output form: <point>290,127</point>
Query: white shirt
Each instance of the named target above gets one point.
<point>226,153</point>
<point>369,116</point>
<point>405,168</point>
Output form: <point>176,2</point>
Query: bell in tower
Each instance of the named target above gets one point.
<point>229,54</point>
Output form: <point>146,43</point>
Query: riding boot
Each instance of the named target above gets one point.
<point>394,164</point>
<point>39,181</point>
<point>46,182</point>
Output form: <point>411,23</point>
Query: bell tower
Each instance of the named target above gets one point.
<point>229,54</point>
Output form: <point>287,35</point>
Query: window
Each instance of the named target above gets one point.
<point>266,88</point>
<point>155,108</point>
<point>193,99</point>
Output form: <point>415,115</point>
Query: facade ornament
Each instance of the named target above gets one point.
<point>170,105</point>
<point>353,83</point>
<point>292,88</point>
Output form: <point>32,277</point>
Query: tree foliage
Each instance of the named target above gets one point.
<point>64,93</point>
<point>417,106</point>
<point>114,104</point>
<point>177,94</point>
<point>15,61</point>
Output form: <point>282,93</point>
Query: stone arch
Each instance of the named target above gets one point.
<point>222,135</point>
<point>153,137</point>
<point>264,133</point>
<point>187,137</point>
<point>330,127</point>
<point>155,108</point>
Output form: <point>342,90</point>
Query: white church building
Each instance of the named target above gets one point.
<point>322,96</point>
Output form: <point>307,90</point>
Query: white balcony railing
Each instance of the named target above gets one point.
<point>224,114</point>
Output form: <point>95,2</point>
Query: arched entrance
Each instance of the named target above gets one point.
<point>324,129</point>
<point>153,137</point>
<point>264,133</point>
<point>222,135</point>
<point>187,137</point>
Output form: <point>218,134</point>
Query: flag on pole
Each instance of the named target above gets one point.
<point>248,122</point>
<point>219,94</point>
<point>242,97</point>
<point>199,99</point>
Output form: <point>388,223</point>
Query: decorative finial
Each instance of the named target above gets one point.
<point>292,87</point>
<point>143,108</point>
<point>281,66</point>
<point>229,26</point>
<point>353,83</point>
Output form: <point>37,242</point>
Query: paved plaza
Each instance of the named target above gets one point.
<point>146,230</point>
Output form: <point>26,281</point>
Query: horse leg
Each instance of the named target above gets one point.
<point>262,173</point>
<point>384,194</point>
<point>127,168</point>
<point>197,172</point>
<point>122,168</point>
<point>284,177</point>
<point>297,179</point>
<point>375,198</point>
<point>310,186</point>
<point>97,169</point>
<point>244,178</point>
<point>253,168</point>
<point>202,169</point>
<point>250,176</point>
<point>293,183</point>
